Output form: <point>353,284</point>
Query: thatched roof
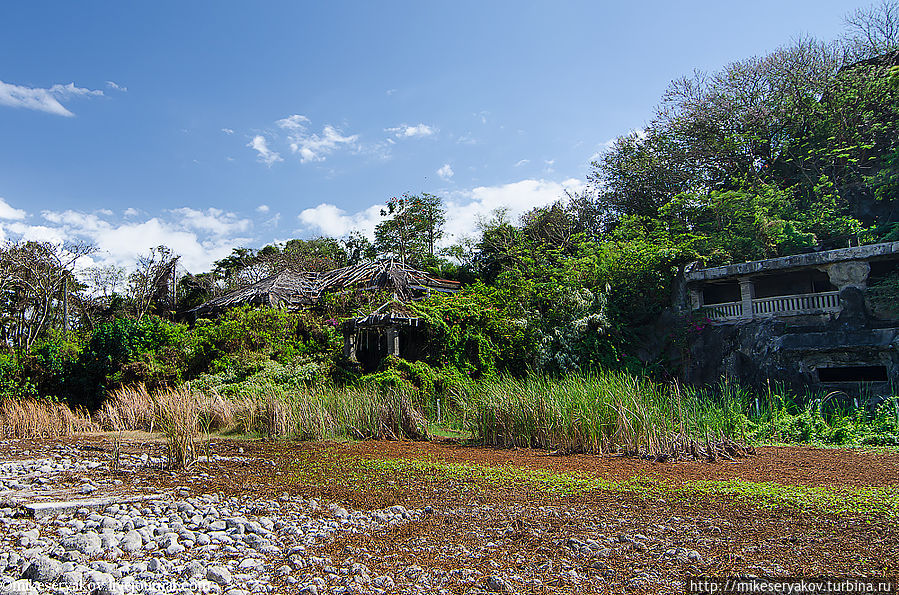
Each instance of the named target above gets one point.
<point>301,289</point>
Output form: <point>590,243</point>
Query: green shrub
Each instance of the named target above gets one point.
<point>13,380</point>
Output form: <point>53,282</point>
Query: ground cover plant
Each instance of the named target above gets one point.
<point>424,516</point>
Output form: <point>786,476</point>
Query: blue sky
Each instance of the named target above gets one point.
<point>207,125</point>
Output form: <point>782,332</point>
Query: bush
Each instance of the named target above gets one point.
<point>14,382</point>
<point>478,331</point>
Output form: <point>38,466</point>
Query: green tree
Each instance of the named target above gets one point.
<point>412,229</point>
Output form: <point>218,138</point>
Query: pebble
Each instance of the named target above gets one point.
<point>186,542</point>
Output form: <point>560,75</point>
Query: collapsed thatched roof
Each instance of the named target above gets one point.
<point>300,289</point>
<point>391,313</point>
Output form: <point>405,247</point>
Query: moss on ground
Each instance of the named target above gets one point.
<point>388,473</point>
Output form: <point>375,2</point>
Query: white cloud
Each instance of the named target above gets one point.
<point>116,86</point>
<point>9,212</point>
<point>446,172</point>
<point>469,206</point>
<point>124,243</point>
<point>37,233</point>
<point>465,208</point>
<point>212,220</point>
<point>331,220</point>
<point>131,212</point>
<point>262,209</point>
<point>200,237</point>
<point>43,100</point>
<point>266,155</point>
<point>314,146</point>
<point>522,162</point>
<point>294,122</point>
<point>407,131</point>
<point>227,131</point>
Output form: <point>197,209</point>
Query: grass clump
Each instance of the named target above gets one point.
<point>177,413</point>
<point>595,413</point>
<point>330,412</point>
<point>40,418</point>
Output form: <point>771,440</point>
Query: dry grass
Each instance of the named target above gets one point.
<point>184,416</point>
<point>177,414</point>
<point>180,414</point>
<point>126,409</point>
<point>41,418</point>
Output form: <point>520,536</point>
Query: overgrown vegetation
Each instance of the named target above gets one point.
<point>560,337</point>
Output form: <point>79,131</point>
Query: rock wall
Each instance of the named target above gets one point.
<point>758,351</point>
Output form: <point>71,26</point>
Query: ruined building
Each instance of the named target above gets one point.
<point>805,320</point>
<point>390,330</point>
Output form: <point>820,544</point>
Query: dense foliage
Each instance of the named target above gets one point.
<point>771,156</point>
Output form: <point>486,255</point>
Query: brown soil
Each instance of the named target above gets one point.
<point>733,537</point>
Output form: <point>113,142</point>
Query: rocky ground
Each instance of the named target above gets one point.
<point>239,523</point>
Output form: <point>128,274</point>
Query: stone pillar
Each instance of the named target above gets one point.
<point>746,294</point>
<point>695,298</point>
<point>393,342</point>
<point>349,346</point>
<point>852,273</point>
<point>851,279</point>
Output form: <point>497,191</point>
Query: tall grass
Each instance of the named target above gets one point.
<point>596,413</point>
<point>592,413</point>
<point>327,411</point>
<point>324,411</point>
<point>40,418</point>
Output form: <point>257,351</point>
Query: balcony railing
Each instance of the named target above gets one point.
<point>781,305</point>
<point>725,311</point>
<point>791,305</point>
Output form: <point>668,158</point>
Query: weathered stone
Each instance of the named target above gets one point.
<point>86,543</point>
<point>219,575</point>
<point>43,570</point>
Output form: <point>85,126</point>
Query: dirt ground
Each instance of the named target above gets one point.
<point>533,529</point>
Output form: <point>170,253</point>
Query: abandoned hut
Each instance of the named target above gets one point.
<point>391,329</point>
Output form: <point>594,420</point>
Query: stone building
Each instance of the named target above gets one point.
<point>804,320</point>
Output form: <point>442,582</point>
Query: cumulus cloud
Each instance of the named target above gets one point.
<point>200,237</point>
<point>446,172</point>
<point>227,130</point>
<point>262,209</point>
<point>314,146</point>
<point>407,131</point>
<point>470,206</point>
<point>330,220</point>
<point>43,100</point>
<point>36,233</point>
<point>466,208</point>
<point>116,86</point>
<point>9,212</point>
<point>265,155</point>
